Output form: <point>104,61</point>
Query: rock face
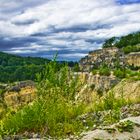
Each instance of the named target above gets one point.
<point>19,85</point>
<point>133,59</point>
<point>130,89</point>
<point>20,94</point>
<point>96,83</point>
<point>110,56</point>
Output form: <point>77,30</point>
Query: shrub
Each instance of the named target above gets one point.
<point>129,49</point>
<point>126,126</point>
<point>120,73</point>
<point>55,110</point>
<point>104,71</point>
<point>94,72</point>
<point>76,68</point>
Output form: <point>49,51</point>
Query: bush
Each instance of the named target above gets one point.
<point>126,126</point>
<point>104,71</point>
<point>76,68</point>
<point>55,110</point>
<point>129,49</point>
<point>94,72</point>
<point>120,73</point>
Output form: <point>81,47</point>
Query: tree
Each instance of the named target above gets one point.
<point>109,43</point>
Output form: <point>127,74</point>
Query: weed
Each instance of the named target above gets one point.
<point>126,126</point>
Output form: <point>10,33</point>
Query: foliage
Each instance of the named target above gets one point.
<point>100,92</point>
<point>104,70</point>
<point>94,71</point>
<point>55,110</point>
<point>13,60</point>
<point>124,41</point>
<point>129,49</point>
<point>76,68</point>
<point>19,73</point>
<point>111,104</point>
<point>15,68</point>
<point>120,73</point>
<point>126,126</point>
<point>109,43</point>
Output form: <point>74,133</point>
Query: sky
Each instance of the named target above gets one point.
<point>70,28</point>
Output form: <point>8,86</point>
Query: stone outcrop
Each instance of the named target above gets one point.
<point>94,84</point>
<point>110,56</point>
<point>19,94</point>
<point>129,89</point>
<point>14,99</point>
<point>133,59</point>
<point>103,83</point>
<point>19,85</point>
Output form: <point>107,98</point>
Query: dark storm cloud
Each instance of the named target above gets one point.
<point>8,43</point>
<point>25,22</point>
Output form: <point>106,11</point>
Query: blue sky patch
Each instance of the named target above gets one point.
<point>128,1</point>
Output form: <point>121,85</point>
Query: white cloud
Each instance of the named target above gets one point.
<point>64,14</point>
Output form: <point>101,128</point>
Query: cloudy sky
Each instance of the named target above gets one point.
<point>70,27</point>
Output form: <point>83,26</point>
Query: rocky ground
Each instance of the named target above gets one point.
<point>127,128</point>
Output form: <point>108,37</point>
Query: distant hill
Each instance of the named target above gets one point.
<point>16,68</point>
<point>14,60</point>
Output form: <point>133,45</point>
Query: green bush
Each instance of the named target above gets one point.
<point>126,126</point>
<point>111,102</point>
<point>76,68</point>
<point>104,71</point>
<point>129,49</point>
<point>55,110</point>
<point>120,73</point>
<point>94,71</point>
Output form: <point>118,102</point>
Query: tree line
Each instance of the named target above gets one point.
<point>128,43</point>
<point>16,68</point>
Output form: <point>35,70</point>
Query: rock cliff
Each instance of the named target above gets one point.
<point>133,59</point>
<point>97,82</point>
<point>19,94</point>
<point>110,56</point>
<point>129,89</point>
